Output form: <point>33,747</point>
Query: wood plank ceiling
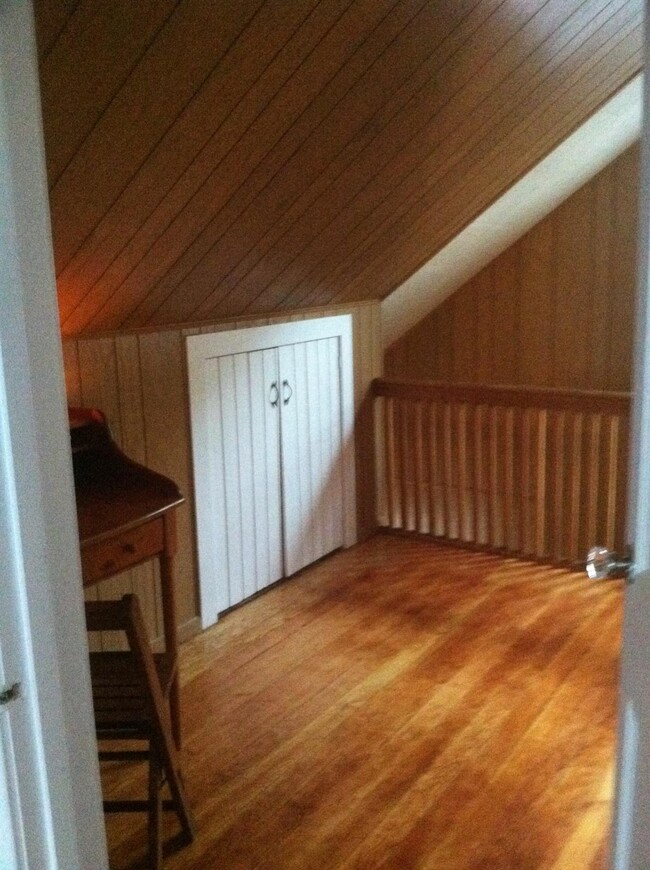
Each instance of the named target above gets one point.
<point>214,159</point>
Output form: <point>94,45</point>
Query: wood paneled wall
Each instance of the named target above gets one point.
<point>139,380</point>
<point>556,309</point>
<point>214,159</point>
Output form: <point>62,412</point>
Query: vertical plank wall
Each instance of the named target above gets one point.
<point>554,310</point>
<point>139,380</point>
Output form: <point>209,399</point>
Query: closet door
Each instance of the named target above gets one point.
<point>244,475</point>
<point>272,412</point>
<point>311,451</point>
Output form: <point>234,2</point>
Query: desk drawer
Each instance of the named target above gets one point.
<point>128,548</point>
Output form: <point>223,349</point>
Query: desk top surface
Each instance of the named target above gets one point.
<point>113,492</point>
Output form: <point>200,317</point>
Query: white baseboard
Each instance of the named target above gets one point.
<point>186,631</point>
<point>189,629</point>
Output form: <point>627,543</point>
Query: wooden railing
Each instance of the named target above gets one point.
<point>537,473</point>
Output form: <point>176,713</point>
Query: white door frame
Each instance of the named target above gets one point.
<point>631,827</point>
<point>214,344</point>
<point>50,759</point>
<point>47,580</point>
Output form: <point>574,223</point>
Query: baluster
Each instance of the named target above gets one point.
<point>448,470</point>
<point>434,473</point>
<point>405,457</point>
<point>575,514</point>
<point>620,540</point>
<point>419,482</point>
<point>427,483</point>
<point>593,479</point>
<point>558,547</point>
<point>463,495</point>
<point>381,471</point>
<point>611,486</point>
<point>526,487</point>
<point>479,481</point>
<point>540,485</point>
<point>509,534</point>
<point>390,448</point>
<point>493,475</point>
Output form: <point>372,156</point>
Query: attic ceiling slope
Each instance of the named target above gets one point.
<point>218,159</point>
<point>593,146</point>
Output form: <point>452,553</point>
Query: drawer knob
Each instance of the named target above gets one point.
<point>108,566</point>
<point>128,548</point>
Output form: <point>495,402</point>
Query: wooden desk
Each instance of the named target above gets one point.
<point>127,515</point>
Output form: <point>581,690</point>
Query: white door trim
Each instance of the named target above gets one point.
<point>53,742</point>
<point>631,832</point>
<point>216,344</point>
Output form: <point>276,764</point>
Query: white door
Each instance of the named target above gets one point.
<point>312,454</point>
<point>274,477</point>
<point>272,413</point>
<point>15,721</point>
<point>242,480</point>
<point>11,832</point>
<point>631,834</point>
<point>50,799</point>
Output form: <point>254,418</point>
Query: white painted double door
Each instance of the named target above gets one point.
<point>277,487</point>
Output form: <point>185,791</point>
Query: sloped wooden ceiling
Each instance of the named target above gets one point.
<point>210,159</point>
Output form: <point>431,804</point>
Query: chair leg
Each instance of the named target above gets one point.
<point>155,809</point>
<point>181,806</point>
<point>175,785</point>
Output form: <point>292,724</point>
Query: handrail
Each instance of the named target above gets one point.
<point>505,396</point>
<point>528,471</point>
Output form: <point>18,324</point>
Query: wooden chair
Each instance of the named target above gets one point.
<point>130,702</point>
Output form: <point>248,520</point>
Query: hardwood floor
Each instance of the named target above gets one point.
<point>401,705</point>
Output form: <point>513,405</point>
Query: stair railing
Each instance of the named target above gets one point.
<point>532,472</point>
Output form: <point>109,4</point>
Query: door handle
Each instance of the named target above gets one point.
<point>274,392</point>
<point>286,386</point>
<point>602,564</point>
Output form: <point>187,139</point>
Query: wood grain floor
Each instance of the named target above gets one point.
<point>401,705</point>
